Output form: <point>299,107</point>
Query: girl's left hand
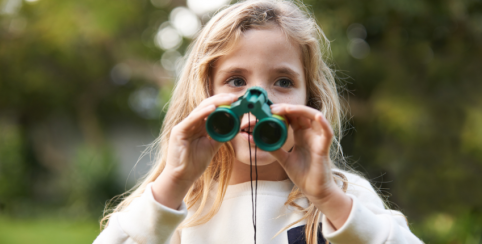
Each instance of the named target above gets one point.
<point>308,165</point>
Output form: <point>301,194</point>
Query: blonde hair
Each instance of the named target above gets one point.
<point>217,39</point>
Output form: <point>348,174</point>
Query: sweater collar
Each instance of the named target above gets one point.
<point>283,187</point>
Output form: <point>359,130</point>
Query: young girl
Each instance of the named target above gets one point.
<point>199,191</point>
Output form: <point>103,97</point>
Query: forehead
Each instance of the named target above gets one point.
<point>268,46</point>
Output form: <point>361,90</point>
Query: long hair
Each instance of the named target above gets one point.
<point>216,39</point>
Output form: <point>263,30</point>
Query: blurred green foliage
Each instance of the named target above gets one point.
<point>416,105</point>
<point>12,168</point>
<point>414,95</point>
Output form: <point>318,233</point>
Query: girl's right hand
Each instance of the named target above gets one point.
<point>190,149</point>
<point>190,152</point>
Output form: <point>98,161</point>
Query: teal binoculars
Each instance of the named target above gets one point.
<point>269,133</point>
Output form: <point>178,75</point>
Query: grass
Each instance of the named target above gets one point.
<point>47,230</point>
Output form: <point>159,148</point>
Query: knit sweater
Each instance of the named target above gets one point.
<point>146,221</point>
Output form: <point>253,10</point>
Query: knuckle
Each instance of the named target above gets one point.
<point>176,129</point>
<point>203,102</point>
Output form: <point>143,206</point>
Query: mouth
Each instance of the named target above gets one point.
<point>248,127</point>
<point>247,131</point>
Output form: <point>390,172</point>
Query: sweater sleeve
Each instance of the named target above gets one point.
<point>145,221</point>
<point>369,222</point>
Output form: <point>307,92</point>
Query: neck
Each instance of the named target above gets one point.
<point>270,172</point>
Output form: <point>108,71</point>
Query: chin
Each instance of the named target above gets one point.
<point>262,157</point>
<point>241,149</point>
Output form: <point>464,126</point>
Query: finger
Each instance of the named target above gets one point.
<point>195,119</point>
<point>325,125</point>
<point>327,133</point>
<point>300,116</point>
<point>217,100</point>
<point>281,156</point>
<point>316,119</point>
<point>299,123</point>
<point>215,145</point>
<point>317,127</point>
<point>304,123</point>
<point>294,111</point>
<point>294,122</point>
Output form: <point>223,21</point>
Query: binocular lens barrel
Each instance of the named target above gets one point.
<point>269,132</point>
<point>222,125</point>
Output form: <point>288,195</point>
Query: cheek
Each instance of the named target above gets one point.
<point>215,88</point>
<point>297,96</point>
<point>241,150</point>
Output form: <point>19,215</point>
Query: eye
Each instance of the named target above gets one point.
<point>284,83</point>
<point>236,82</point>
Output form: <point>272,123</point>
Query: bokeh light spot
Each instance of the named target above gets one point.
<point>358,48</point>
<point>356,31</point>
<point>185,21</point>
<point>120,74</point>
<point>144,102</point>
<point>167,37</point>
<point>201,7</point>
<point>171,60</point>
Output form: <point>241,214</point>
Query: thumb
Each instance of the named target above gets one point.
<point>281,156</point>
<point>215,145</point>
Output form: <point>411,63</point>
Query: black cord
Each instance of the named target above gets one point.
<point>254,200</point>
<point>256,193</point>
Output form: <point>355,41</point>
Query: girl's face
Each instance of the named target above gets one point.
<point>266,58</point>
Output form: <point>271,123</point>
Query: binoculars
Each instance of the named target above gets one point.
<point>269,133</point>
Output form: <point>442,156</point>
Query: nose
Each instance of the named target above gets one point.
<point>248,117</point>
<point>263,83</point>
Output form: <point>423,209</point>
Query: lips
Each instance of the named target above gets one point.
<point>247,130</point>
<point>248,127</point>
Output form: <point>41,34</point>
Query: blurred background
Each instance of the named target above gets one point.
<point>83,84</point>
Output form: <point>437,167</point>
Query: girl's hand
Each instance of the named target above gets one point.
<point>308,165</point>
<point>190,149</point>
<point>190,152</point>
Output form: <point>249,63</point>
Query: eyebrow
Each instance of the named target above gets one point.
<point>234,71</point>
<point>279,70</point>
<point>287,71</point>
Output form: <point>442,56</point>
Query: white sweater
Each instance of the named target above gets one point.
<point>146,221</point>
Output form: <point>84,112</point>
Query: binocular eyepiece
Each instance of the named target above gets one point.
<point>269,133</point>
